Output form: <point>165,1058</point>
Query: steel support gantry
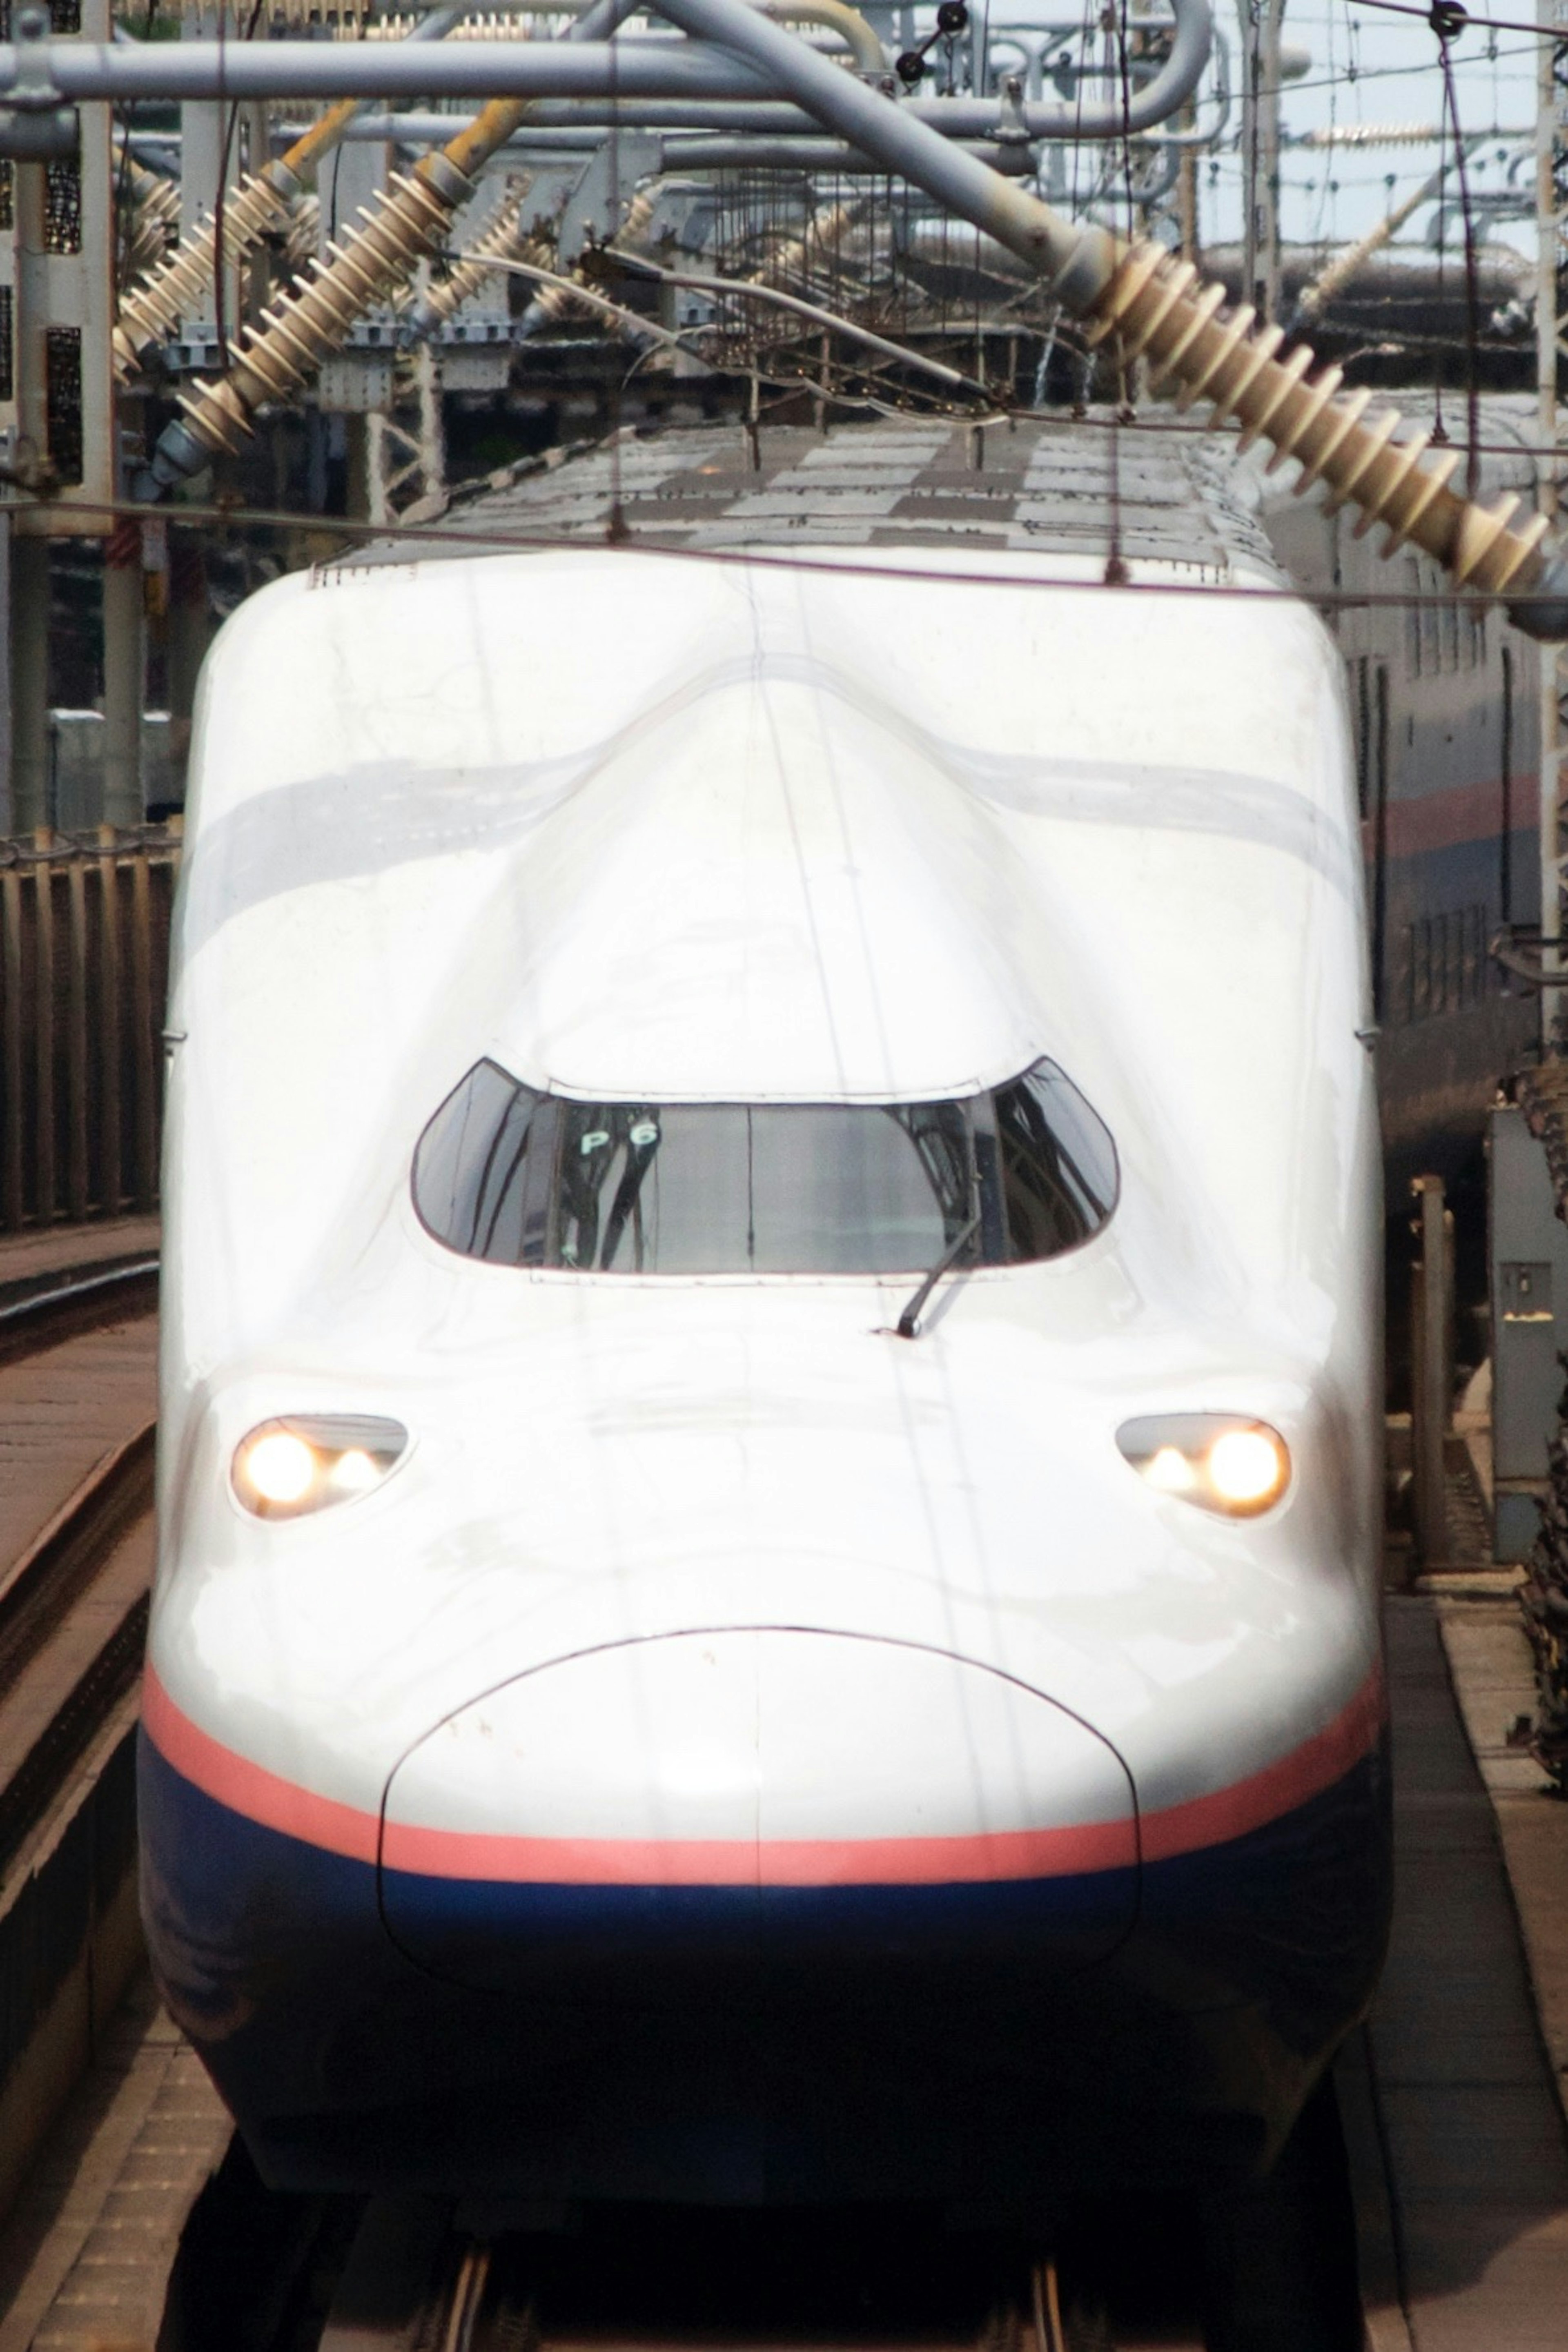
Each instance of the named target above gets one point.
<point>1550,329</point>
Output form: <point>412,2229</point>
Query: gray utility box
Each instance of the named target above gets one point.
<point>1527,1253</point>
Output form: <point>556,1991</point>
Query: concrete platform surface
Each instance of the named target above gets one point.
<point>1464,2101</point>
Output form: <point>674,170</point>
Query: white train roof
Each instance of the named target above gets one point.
<point>660,825</point>
<point>1164,490</point>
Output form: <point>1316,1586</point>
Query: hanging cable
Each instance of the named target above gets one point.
<point>1440,23</point>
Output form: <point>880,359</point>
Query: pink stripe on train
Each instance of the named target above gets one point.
<point>992,1857</point>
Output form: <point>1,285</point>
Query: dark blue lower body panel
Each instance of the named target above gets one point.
<point>976,2043</point>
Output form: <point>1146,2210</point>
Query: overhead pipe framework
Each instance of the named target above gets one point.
<point>786,130</point>
<point>859,37</point>
<point>651,66</point>
<point>1152,306</point>
<point>696,151</point>
<point>1137,297</point>
<point>175,282</point>
<point>51,74</point>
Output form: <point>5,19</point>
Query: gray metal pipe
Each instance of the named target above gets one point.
<point>82,71</point>
<point>954,118</point>
<point>718,153</point>
<point>701,153</point>
<point>593,116</point>
<point>766,118</point>
<point>1159,97</point>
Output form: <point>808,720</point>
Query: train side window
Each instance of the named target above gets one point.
<point>1058,1171</point>
<point>1449,615</point>
<point>1404,995</point>
<point>1413,619</point>
<point>1418,991</point>
<point>1431,622</point>
<point>522,1178</point>
<point>1363,734</point>
<point>1475,627</point>
<point>474,1161</point>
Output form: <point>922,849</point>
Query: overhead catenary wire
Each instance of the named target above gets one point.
<point>812,312</point>
<point>1472,283</point>
<point>465,541</point>
<point>645,330</point>
<point>1461,19</point>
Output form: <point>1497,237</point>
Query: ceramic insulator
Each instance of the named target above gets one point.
<point>148,311</point>
<point>303,234</point>
<point>502,241</point>
<point>1154,306</point>
<point>154,218</point>
<point>410,219</point>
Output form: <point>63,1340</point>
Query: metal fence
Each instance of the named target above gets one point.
<point>84,958</point>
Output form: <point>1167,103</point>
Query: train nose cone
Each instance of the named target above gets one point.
<point>765,1795</point>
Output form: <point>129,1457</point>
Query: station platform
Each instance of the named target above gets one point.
<point>1462,2097</point>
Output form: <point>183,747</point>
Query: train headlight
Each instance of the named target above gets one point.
<point>1220,1461</point>
<point>284,1468</point>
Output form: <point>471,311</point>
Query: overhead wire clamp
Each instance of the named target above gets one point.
<point>37,126</point>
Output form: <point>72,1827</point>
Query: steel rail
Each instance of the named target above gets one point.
<point>35,1315</point>
<point>67,1565</point>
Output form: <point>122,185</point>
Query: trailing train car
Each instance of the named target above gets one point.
<point>1444,699</point>
<point>770,1453</point>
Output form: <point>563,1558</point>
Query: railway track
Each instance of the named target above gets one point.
<point>677,2282</point>
<point>225,2265</point>
<point>73,1598</point>
<point>76,1393</point>
<point>73,1609</point>
<point>73,1620</point>
<point>39,1310</point>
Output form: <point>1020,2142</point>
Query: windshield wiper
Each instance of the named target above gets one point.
<point>909,1324</point>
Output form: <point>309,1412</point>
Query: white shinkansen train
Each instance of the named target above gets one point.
<point>772,1393</point>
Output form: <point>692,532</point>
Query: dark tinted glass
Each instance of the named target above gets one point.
<point>526,1179</point>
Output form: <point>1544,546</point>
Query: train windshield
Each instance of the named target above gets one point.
<point>521,1178</point>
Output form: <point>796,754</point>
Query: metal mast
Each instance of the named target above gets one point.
<point>1552,287</point>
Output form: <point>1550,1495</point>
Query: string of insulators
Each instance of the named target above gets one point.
<point>550,305</point>
<point>497,26</point>
<point>407,222</point>
<point>150,312</point>
<point>790,258</point>
<point>503,238</point>
<point>1154,306</point>
<point>303,234</point>
<point>307,326</point>
<point>154,215</point>
<point>174,290</point>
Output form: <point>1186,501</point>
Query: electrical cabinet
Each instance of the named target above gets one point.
<point>1527,1245</point>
